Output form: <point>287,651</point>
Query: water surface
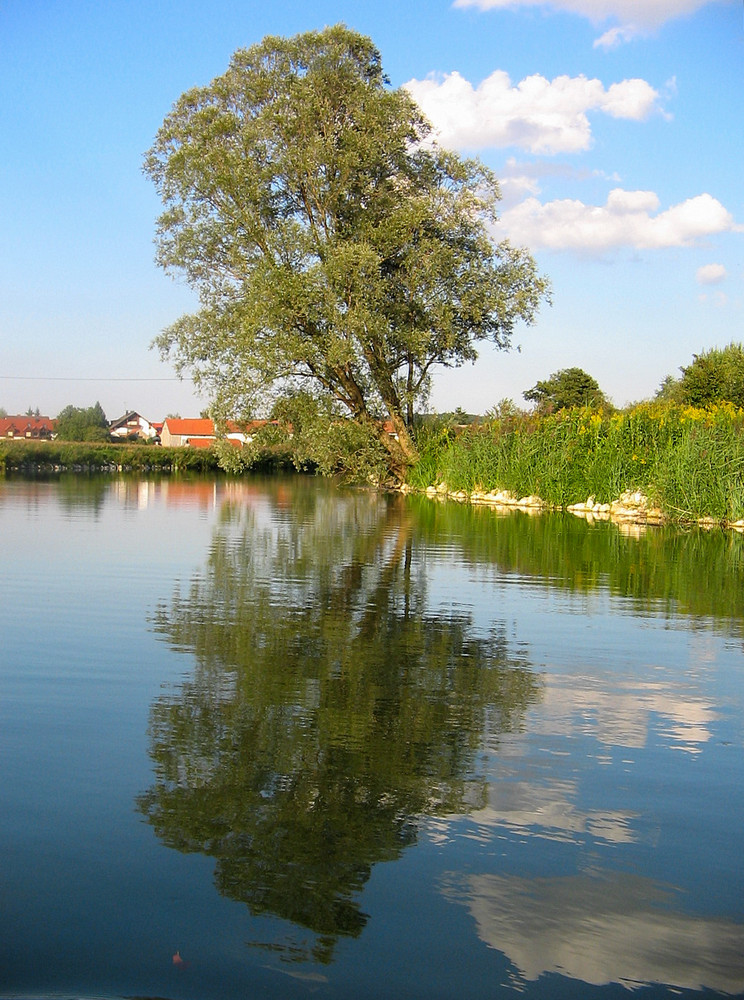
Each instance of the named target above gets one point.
<point>268,738</point>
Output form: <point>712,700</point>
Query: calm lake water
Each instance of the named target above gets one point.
<point>268,739</point>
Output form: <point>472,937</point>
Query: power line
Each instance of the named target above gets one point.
<point>60,378</point>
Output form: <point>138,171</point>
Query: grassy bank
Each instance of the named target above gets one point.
<point>689,462</point>
<point>72,456</point>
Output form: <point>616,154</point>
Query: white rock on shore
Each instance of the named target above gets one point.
<point>631,507</point>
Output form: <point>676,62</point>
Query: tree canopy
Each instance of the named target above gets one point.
<point>335,248</point>
<point>564,389</point>
<point>713,376</point>
<point>76,423</point>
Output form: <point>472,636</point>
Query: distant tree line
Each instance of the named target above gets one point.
<point>714,376</point>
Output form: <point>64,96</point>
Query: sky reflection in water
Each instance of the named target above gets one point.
<point>535,721</point>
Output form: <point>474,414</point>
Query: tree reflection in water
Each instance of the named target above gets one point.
<point>330,706</point>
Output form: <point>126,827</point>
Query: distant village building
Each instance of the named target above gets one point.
<point>201,432</point>
<point>28,428</point>
<point>133,425</point>
<point>177,431</point>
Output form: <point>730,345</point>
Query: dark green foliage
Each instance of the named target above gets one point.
<point>75,423</point>
<point>53,456</point>
<point>714,376</point>
<point>670,391</point>
<point>564,389</point>
<point>323,438</point>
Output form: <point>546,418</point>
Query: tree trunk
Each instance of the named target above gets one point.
<point>399,445</point>
<point>409,397</point>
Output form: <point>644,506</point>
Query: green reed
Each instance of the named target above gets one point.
<point>688,461</point>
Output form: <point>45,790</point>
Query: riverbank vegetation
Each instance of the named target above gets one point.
<point>89,456</point>
<point>688,461</point>
<point>73,456</point>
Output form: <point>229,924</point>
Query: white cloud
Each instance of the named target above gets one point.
<point>614,37</point>
<point>634,17</point>
<point>515,189</point>
<point>628,219</point>
<point>649,13</point>
<point>710,274</point>
<point>518,179</point>
<point>537,114</point>
<point>634,99</point>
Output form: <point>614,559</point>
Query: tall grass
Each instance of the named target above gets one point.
<point>688,461</point>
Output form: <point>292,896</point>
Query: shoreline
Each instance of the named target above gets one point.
<point>631,508</point>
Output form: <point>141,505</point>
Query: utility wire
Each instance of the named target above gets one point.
<point>61,378</point>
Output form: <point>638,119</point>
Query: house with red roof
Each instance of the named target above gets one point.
<point>27,428</point>
<point>133,425</point>
<point>201,432</point>
<point>177,431</point>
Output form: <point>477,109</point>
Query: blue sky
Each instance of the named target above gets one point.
<point>615,127</point>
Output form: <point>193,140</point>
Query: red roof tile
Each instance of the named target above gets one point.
<point>22,424</point>
<point>199,426</point>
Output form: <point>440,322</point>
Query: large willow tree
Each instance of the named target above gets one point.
<point>335,249</point>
